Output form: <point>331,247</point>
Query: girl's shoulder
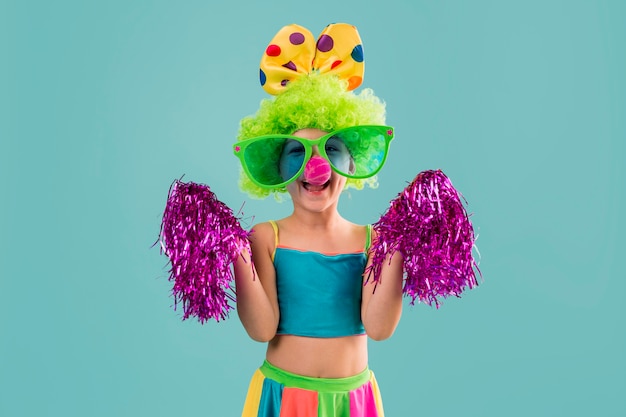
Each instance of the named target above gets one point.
<point>264,236</point>
<point>263,232</point>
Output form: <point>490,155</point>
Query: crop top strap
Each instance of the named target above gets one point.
<point>275,227</point>
<point>368,237</point>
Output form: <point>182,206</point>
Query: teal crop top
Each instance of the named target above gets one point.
<point>319,295</point>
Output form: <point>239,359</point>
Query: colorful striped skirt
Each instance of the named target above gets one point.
<point>274,392</point>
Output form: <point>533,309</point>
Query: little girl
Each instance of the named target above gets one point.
<point>314,285</point>
<point>304,290</point>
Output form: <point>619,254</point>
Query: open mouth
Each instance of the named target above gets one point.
<point>315,188</point>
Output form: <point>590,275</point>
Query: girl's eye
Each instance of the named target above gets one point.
<point>294,148</point>
<point>297,150</point>
<point>334,146</point>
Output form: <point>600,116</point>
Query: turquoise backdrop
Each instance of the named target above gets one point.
<point>104,104</point>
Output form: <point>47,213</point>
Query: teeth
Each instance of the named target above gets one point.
<point>310,187</point>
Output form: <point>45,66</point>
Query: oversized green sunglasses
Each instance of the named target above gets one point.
<point>273,161</point>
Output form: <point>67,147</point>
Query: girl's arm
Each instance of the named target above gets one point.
<point>257,302</point>
<point>381,306</point>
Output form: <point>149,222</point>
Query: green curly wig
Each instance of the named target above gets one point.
<point>313,101</point>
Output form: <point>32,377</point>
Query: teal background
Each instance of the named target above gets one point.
<point>104,104</point>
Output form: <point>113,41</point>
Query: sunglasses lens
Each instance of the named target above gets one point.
<point>262,159</point>
<point>359,151</point>
<point>291,159</point>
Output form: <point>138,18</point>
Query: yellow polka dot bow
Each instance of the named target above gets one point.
<point>293,52</point>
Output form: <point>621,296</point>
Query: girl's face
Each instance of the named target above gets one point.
<point>309,196</point>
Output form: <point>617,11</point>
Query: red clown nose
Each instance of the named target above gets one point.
<point>317,171</point>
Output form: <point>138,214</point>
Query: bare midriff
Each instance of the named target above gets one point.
<point>336,357</point>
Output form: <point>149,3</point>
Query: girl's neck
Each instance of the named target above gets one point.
<point>327,219</point>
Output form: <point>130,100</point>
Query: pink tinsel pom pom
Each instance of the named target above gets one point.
<point>201,237</point>
<point>427,223</point>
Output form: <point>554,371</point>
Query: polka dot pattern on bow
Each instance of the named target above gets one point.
<point>294,52</point>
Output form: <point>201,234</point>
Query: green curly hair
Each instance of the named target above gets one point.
<point>313,101</point>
